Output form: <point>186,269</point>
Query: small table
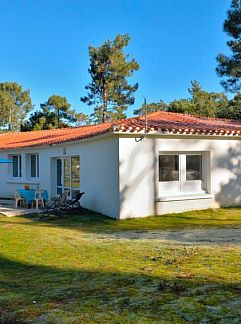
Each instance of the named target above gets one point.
<point>28,195</point>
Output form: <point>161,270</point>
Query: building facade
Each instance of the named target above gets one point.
<point>130,170</point>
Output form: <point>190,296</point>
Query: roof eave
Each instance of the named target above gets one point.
<point>176,133</point>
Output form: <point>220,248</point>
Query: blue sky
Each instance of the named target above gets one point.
<point>44,44</point>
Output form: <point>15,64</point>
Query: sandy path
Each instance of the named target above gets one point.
<point>190,236</point>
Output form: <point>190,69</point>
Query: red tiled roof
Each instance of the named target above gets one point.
<point>47,137</point>
<point>161,122</point>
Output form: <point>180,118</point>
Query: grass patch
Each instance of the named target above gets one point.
<point>55,272</point>
<point>96,223</point>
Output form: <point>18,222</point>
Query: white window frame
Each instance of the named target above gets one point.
<point>62,187</point>
<point>19,165</point>
<point>36,165</point>
<point>183,186</point>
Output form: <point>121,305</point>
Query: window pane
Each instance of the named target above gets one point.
<point>59,172</point>
<point>193,167</point>
<point>20,166</point>
<point>37,164</point>
<point>168,168</point>
<point>67,172</point>
<point>75,172</point>
<point>59,191</point>
<point>15,166</point>
<point>33,166</point>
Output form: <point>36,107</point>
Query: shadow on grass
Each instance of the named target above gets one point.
<point>91,222</point>
<point>31,291</point>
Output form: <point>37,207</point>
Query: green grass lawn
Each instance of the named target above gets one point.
<point>68,271</point>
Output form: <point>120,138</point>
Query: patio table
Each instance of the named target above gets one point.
<point>28,194</point>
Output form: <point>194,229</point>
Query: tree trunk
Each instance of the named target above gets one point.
<point>10,119</point>
<point>58,118</point>
<point>104,112</point>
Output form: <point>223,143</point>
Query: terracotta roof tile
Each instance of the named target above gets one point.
<point>47,137</point>
<point>160,121</point>
<point>175,122</point>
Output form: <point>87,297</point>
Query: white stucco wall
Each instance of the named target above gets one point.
<point>139,174</point>
<point>99,172</point>
<point>120,175</point>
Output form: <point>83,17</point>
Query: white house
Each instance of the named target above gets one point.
<point>134,167</point>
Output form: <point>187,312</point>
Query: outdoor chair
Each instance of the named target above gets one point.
<point>38,199</point>
<point>19,200</point>
<point>56,207</point>
<point>73,205</point>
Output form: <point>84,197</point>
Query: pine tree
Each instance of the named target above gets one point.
<point>201,103</point>
<point>151,107</point>
<point>15,104</point>
<point>233,111</point>
<point>109,90</point>
<point>229,67</point>
<point>61,108</point>
<point>54,113</point>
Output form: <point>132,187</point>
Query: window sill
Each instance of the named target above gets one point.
<point>185,197</point>
<point>23,181</point>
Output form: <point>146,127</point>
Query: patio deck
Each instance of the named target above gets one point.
<point>7,209</point>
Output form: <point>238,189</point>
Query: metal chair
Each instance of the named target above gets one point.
<point>57,207</point>
<point>73,204</point>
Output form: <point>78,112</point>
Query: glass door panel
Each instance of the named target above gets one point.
<point>67,172</point>
<point>75,172</point>
<point>68,175</point>
<point>59,176</point>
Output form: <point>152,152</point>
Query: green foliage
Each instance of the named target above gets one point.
<point>183,106</point>
<point>6,103</point>
<point>233,110</point>
<point>207,103</point>
<point>81,119</point>
<point>201,103</point>
<point>235,106</point>
<point>109,90</point>
<point>15,103</point>
<point>60,107</point>
<point>229,67</point>
<point>42,120</point>
<point>55,113</point>
<point>151,107</point>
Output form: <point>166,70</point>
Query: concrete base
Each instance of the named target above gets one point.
<point>179,206</point>
<point>10,212</point>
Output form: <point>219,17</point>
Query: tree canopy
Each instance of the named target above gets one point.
<point>54,113</point>
<point>233,111</point>
<point>15,104</point>
<point>202,103</point>
<point>109,90</point>
<point>151,107</point>
<point>60,107</point>
<point>229,67</point>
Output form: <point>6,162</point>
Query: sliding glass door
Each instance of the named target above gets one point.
<point>68,175</point>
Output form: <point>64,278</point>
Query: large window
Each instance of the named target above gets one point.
<point>34,165</point>
<point>68,175</point>
<point>181,173</point>
<point>17,166</point>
